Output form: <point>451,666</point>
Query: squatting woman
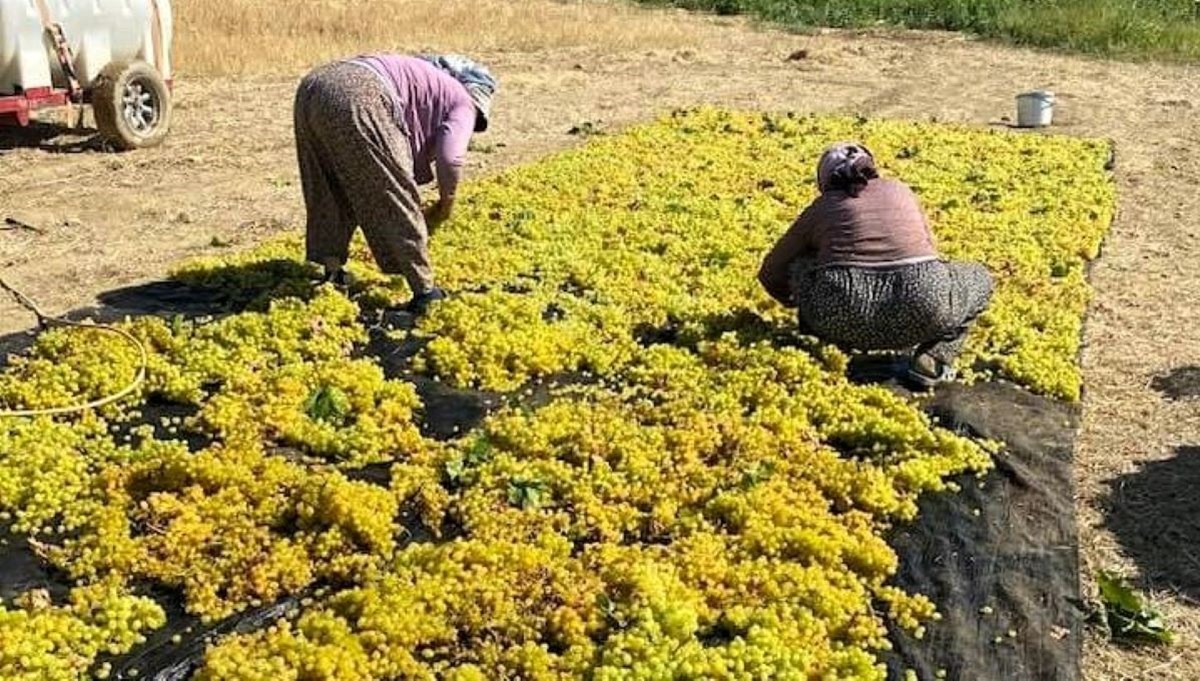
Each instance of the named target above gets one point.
<point>861,267</point>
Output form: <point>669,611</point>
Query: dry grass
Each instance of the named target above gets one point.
<point>220,38</point>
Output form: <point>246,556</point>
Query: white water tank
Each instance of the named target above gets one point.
<point>98,32</point>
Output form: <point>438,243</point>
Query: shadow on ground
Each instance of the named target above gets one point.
<point>1180,383</point>
<point>217,291</point>
<point>1155,514</point>
<point>213,293</point>
<point>51,138</point>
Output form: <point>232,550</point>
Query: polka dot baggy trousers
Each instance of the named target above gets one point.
<point>928,306</point>
<point>356,169</point>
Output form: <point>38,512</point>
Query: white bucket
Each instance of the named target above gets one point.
<point>1035,109</point>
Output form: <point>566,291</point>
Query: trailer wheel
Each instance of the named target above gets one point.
<point>132,105</point>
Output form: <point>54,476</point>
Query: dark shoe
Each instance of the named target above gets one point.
<point>340,278</point>
<point>927,373</point>
<point>421,302</point>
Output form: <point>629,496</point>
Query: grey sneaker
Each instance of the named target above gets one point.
<point>927,373</point>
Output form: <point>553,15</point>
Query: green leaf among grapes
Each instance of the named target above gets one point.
<point>526,494</point>
<point>328,404</point>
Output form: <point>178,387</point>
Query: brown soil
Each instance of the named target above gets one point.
<point>227,175</point>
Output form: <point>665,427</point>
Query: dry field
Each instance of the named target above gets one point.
<point>227,177</point>
<point>282,36</point>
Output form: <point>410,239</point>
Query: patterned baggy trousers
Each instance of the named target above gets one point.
<point>356,169</point>
<point>928,306</point>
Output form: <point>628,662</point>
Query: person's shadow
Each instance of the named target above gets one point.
<point>51,138</point>
<point>1155,514</point>
<point>214,293</point>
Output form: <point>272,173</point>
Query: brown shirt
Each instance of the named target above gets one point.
<point>884,225</point>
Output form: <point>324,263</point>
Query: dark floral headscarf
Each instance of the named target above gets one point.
<point>845,165</point>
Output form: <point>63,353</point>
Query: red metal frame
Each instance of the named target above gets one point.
<point>14,109</point>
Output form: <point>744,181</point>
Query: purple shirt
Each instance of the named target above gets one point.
<point>435,112</point>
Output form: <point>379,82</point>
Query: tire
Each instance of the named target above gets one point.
<point>116,95</point>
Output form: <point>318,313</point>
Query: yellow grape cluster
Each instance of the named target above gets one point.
<point>500,339</point>
<point>711,503</point>
<point>230,526</point>
<point>374,422</point>
<point>41,641</point>
<point>274,274</point>
<point>254,374</point>
<point>692,519</point>
<point>233,527</point>
<point>69,366</point>
<point>47,473</point>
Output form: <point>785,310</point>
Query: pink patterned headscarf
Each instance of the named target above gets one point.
<point>846,159</point>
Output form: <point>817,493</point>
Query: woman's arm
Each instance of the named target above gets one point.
<point>775,273</point>
<point>453,139</point>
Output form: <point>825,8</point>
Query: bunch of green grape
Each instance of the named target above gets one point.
<point>44,641</point>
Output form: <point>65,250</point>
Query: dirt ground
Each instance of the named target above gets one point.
<point>227,178</point>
